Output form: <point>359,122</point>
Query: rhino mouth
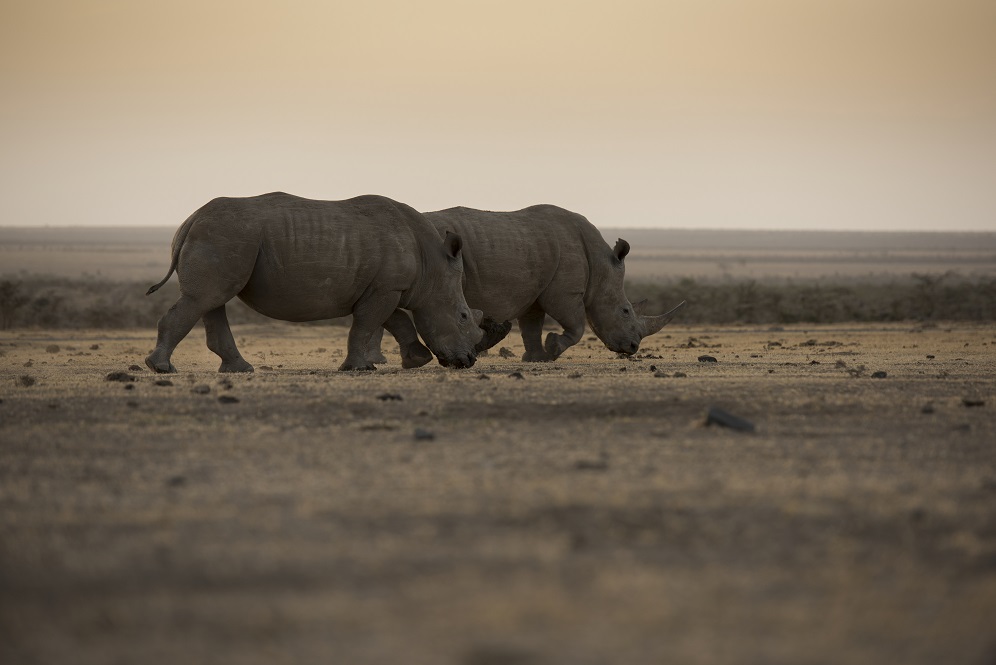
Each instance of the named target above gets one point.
<point>459,361</point>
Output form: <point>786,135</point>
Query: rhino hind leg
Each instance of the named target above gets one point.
<point>569,314</point>
<point>531,328</point>
<point>173,327</point>
<point>221,342</point>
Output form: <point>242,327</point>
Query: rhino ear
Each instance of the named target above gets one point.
<point>621,249</point>
<point>452,244</point>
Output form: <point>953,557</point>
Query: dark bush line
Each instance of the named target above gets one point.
<point>917,297</point>
<point>51,302</point>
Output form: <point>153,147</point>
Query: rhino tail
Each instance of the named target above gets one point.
<point>178,238</point>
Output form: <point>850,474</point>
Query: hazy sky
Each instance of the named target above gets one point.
<point>842,114</point>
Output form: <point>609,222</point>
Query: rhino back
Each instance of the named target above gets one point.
<point>512,258</point>
<point>314,259</point>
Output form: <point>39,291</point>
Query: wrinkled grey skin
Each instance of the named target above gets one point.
<point>546,260</point>
<point>302,260</point>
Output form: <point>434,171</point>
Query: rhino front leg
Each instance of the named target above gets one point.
<point>221,342</point>
<point>531,327</point>
<point>413,352</point>
<point>369,315</point>
<point>374,352</point>
<point>570,314</point>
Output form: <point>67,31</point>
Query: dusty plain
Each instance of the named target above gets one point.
<point>573,512</point>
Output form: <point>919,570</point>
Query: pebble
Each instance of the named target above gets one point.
<point>516,375</point>
<point>134,368</point>
<point>26,381</point>
<point>228,399</point>
<point>717,416</point>
<point>52,348</point>
<point>124,377</point>
<point>879,375</point>
<point>201,389</point>
<point>164,382</point>
<point>505,352</point>
<point>423,434</point>
<point>663,375</point>
<point>969,402</point>
<point>390,397</point>
<point>707,359</point>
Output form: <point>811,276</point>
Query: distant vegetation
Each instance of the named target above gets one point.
<point>55,302</point>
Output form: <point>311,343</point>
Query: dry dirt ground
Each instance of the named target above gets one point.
<point>574,512</point>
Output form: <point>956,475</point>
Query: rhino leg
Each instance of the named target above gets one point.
<point>221,342</point>
<point>494,332</point>
<point>531,327</point>
<point>173,327</point>
<point>369,315</point>
<point>374,352</point>
<point>568,313</point>
<point>413,352</point>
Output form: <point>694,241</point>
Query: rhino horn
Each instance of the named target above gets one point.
<point>651,324</point>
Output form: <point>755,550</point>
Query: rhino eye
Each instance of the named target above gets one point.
<point>463,316</point>
<point>625,310</point>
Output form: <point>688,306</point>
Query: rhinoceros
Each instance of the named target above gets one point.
<point>298,259</point>
<point>546,260</point>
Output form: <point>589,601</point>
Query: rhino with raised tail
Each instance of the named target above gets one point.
<point>546,260</point>
<point>298,259</point>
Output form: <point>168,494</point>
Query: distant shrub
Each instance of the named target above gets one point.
<point>55,302</point>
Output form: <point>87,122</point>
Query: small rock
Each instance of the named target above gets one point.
<point>129,386</point>
<point>201,389</point>
<point>123,377</point>
<point>505,352</point>
<point>52,348</point>
<point>622,369</point>
<point>224,384</point>
<point>970,402</point>
<point>717,416</point>
<point>390,397</point>
<point>592,465</point>
<point>164,382</point>
<point>131,404</point>
<point>574,375</point>
<point>840,364</point>
<point>266,367</point>
<point>516,375</point>
<point>707,359</point>
<point>422,434</point>
<point>483,376</point>
<point>94,347</point>
<point>134,368</point>
<point>930,356</point>
<point>228,399</point>
<point>653,368</point>
<point>26,381</point>
<point>663,375</point>
<point>927,408</point>
<point>176,481</point>
<point>879,375</point>
<point>679,375</point>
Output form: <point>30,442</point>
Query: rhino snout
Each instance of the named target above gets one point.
<point>458,361</point>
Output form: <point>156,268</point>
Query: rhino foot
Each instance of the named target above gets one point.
<point>349,366</point>
<point>494,332</point>
<point>415,355</point>
<point>554,345</point>
<point>161,367</point>
<point>236,366</point>
<point>377,358</point>
<point>536,357</point>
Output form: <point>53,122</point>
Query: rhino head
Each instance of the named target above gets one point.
<point>615,320</point>
<point>450,328</point>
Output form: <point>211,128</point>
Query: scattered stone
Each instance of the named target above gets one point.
<point>201,389</point>
<point>814,362</point>
<point>29,363</point>
<point>653,368</point>
<point>131,404</point>
<point>123,377</point>
<point>918,515</point>
<point>225,384</point>
<point>134,368</point>
<point>679,375</point>
<point>879,375</point>
<point>622,369</point>
<point>482,375</point>
<point>970,402</point>
<point>176,481</point>
<point>163,382</point>
<point>574,375</point>
<point>592,465</point>
<point>390,397</point>
<point>516,375</point>
<point>927,408</point>
<point>422,434</point>
<point>266,367</point>
<point>129,386</point>
<point>930,356</point>
<point>94,347</point>
<point>717,416</point>
<point>707,359</point>
<point>52,348</point>
<point>26,380</point>
<point>809,342</point>
<point>505,352</point>
<point>228,399</point>
<point>840,364</point>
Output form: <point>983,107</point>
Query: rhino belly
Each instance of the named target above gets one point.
<point>302,290</point>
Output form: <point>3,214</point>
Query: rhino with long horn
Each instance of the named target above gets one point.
<point>544,260</point>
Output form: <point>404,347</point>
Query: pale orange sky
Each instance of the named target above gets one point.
<point>843,114</point>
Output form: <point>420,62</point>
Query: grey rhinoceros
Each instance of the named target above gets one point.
<point>301,260</point>
<point>546,260</point>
